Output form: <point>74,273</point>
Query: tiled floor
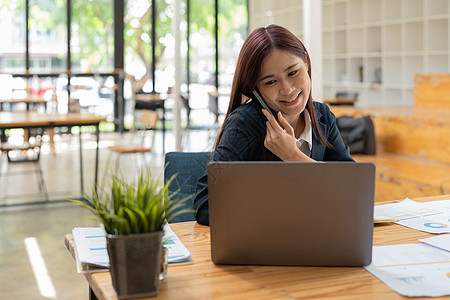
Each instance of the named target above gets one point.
<point>47,223</point>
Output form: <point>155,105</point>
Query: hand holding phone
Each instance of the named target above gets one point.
<point>264,105</point>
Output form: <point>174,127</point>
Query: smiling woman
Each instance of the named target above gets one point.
<point>274,62</point>
<point>286,86</point>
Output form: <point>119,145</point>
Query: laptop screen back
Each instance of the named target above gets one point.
<point>291,213</point>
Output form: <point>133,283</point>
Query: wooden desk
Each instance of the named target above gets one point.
<point>29,101</point>
<point>26,120</point>
<point>204,280</point>
<point>340,101</point>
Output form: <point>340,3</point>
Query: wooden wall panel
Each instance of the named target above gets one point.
<point>432,91</point>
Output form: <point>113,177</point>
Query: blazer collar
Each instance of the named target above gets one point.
<point>318,148</point>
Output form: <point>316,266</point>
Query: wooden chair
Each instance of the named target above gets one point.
<point>24,153</point>
<point>148,120</point>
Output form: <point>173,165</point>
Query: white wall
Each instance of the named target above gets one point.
<point>287,13</point>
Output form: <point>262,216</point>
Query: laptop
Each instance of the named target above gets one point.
<point>291,213</point>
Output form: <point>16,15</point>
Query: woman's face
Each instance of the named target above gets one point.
<point>284,83</point>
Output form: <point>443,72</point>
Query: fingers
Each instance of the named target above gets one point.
<point>285,124</point>
<point>269,116</point>
<point>271,139</point>
<point>278,126</point>
<point>272,121</point>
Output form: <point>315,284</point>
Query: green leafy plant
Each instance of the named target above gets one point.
<point>133,209</point>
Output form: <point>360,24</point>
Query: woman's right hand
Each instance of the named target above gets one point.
<point>280,139</point>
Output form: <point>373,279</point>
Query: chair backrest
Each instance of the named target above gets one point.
<point>189,167</point>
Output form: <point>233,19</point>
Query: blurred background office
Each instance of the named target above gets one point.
<point>176,58</point>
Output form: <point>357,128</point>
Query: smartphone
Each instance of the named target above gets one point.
<point>264,105</point>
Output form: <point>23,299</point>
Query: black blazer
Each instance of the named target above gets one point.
<point>243,140</point>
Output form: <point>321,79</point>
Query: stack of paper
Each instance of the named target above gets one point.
<point>412,269</point>
<point>90,249</point>
<point>440,241</point>
<point>177,251</point>
<point>433,216</point>
<point>420,269</point>
<point>91,254</point>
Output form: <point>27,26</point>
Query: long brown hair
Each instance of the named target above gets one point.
<point>254,51</point>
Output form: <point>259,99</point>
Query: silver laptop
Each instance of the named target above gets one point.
<point>291,213</point>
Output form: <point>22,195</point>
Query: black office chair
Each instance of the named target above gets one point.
<point>188,167</point>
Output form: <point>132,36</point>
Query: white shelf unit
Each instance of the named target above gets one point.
<point>374,47</point>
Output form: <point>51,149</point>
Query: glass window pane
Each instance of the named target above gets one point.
<point>165,43</point>
<point>202,62</point>
<point>232,33</point>
<point>92,36</point>
<point>13,32</point>
<point>138,44</point>
<point>137,36</point>
<point>202,42</point>
<point>47,36</point>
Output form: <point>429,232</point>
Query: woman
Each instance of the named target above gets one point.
<point>274,63</point>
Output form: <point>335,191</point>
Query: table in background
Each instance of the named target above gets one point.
<point>28,101</point>
<point>204,280</point>
<point>31,102</point>
<point>27,120</point>
<point>340,101</point>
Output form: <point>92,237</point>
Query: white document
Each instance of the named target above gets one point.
<point>440,241</point>
<point>412,269</point>
<point>90,249</point>
<point>178,253</point>
<point>92,255</point>
<point>433,216</point>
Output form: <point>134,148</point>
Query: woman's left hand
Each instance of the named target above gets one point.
<point>280,139</point>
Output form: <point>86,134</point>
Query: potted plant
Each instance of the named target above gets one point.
<point>133,217</point>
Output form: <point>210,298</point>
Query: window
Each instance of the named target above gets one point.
<point>47,35</point>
